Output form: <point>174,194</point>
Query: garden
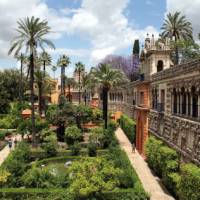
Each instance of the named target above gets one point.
<point>70,161</point>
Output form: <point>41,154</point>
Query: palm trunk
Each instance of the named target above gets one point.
<point>105,106</point>
<point>21,84</point>
<point>79,82</point>
<point>40,98</point>
<point>176,51</point>
<point>32,99</point>
<point>43,106</point>
<point>85,97</point>
<point>69,93</point>
<point>64,81</point>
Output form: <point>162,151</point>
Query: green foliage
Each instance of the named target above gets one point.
<point>97,136</point>
<point>32,194</point>
<point>136,48</point>
<point>2,134</point>
<point>38,178</point>
<point>3,176</point>
<point>51,112</point>
<point>75,149</point>
<point>83,114</point>
<point>128,178</point>
<point>7,122</point>
<point>50,145</point>
<point>9,88</point>
<point>164,161</point>
<point>16,163</point>
<point>92,149</point>
<point>189,187</point>
<point>128,126</point>
<point>97,115</point>
<point>72,134</point>
<point>91,177</point>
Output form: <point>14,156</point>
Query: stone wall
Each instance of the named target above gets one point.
<point>179,133</point>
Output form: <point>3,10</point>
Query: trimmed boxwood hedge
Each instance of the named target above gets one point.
<point>40,154</point>
<point>63,194</point>
<point>189,186</point>
<point>128,126</point>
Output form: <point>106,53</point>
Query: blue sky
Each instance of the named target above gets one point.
<point>88,30</point>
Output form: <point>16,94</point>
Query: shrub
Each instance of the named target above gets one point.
<point>45,133</point>
<point>97,115</point>
<point>189,187</point>
<point>72,134</point>
<point>112,125</point>
<point>38,178</point>
<point>92,177</point>
<point>92,149</point>
<point>3,176</point>
<point>16,164</point>
<point>50,145</point>
<point>97,136</point>
<point>2,134</point>
<point>128,126</point>
<point>75,149</point>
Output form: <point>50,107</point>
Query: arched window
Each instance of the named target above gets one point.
<point>159,66</point>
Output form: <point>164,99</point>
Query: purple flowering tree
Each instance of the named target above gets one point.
<point>129,65</point>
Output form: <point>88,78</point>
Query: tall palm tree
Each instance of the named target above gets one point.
<point>23,60</point>
<point>54,68</point>
<point>31,35</point>
<point>176,26</point>
<point>70,82</point>
<point>87,83</point>
<point>80,68</point>
<point>45,60</point>
<point>107,77</point>
<point>38,76</point>
<point>63,62</point>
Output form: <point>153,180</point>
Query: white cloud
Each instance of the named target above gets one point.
<point>189,8</point>
<point>105,23</point>
<point>102,23</point>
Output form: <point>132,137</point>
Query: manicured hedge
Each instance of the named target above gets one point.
<point>189,187</point>
<point>40,154</point>
<point>128,126</point>
<point>130,178</point>
<point>63,194</point>
<point>164,161</point>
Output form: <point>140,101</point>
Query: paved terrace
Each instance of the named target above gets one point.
<point>150,182</point>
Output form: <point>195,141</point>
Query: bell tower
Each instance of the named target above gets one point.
<point>155,57</point>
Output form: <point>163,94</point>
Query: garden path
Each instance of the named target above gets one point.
<point>150,182</point>
<point>6,150</point>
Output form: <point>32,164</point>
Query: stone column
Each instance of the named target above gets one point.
<point>181,102</point>
<point>198,106</point>
<point>191,111</point>
<point>186,104</point>
<point>178,102</point>
<point>172,104</point>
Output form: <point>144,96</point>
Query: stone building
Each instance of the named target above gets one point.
<point>165,101</point>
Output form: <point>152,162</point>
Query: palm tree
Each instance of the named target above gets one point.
<point>54,68</point>
<point>23,60</point>
<point>63,62</point>
<point>70,82</point>
<point>87,83</point>
<point>45,60</point>
<point>107,77</point>
<point>176,26</point>
<point>31,35</point>
<point>79,68</point>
